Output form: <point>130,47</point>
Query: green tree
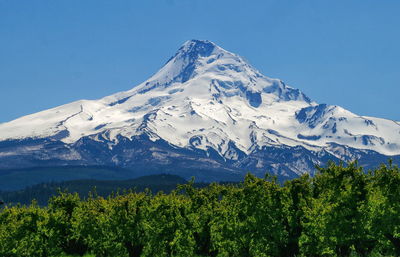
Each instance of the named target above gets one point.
<point>168,227</point>
<point>384,205</point>
<point>335,221</point>
<point>24,232</point>
<point>203,203</point>
<point>249,220</point>
<point>298,194</point>
<point>127,221</point>
<point>61,209</point>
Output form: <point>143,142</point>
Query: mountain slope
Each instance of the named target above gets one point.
<point>206,108</point>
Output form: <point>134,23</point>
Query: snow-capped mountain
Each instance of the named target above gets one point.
<point>206,110</point>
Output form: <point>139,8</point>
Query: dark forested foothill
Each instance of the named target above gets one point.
<point>41,193</point>
<point>342,211</point>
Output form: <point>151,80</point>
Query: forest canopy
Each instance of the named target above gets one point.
<point>342,211</point>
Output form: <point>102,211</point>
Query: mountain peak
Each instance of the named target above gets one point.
<point>194,49</point>
<point>204,63</point>
<point>198,47</point>
<point>181,67</point>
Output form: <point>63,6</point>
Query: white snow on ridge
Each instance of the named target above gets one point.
<point>207,97</point>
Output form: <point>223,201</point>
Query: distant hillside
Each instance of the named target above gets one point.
<point>42,192</point>
<point>16,179</point>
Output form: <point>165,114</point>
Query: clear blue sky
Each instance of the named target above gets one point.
<point>342,52</point>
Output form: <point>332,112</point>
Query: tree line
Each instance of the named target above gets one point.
<point>41,193</point>
<point>341,211</point>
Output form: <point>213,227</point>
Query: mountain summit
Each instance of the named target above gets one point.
<point>206,109</point>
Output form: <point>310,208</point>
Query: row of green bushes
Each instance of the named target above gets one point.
<point>342,211</point>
